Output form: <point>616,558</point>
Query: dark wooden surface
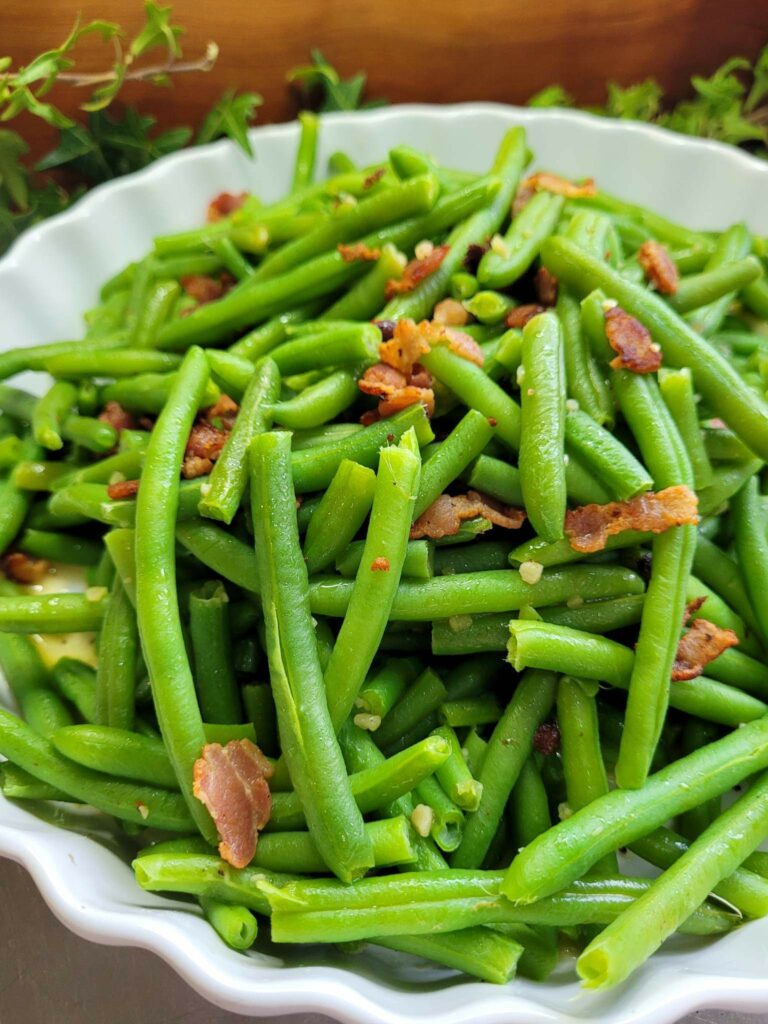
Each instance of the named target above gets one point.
<point>49,975</point>
<point>487,49</point>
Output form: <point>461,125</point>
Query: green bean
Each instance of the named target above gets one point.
<point>435,809</point>
<point>677,391</point>
<point>142,805</point>
<point>372,788</point>
<point>260,341</point>
<point>454,775</point>
<point>221,552</point>
<point>507,356</point>
<point>157,605</point>
<point>319,403</point>
<point>160,298</point>
<point>125,362</point>
<point>217,690</point>
<point>34,475</point>
<point>260,709</point>
<point>473,388</point>
<point>314,468</point>
<point>629,940</point>
<point>367,295</point>
<point>318,277</point>
<point>464,444</point>
<point>462,558</point>
<point>53,613</point>
<point>489,308</point>
<point>727,480</point>
<point>743,889</point>
<point>229,477</point>
<point>149,392</point>
<point>76,681</point>
<point>418,563</point>
<point>11,449</point>
<point>116,673</point>
<point>509,747</point>
<point>463,285</point>
<point>386,685</point>
<point>692,823</point>
<point>349,223</point>
<point>528,805</point>
<point>610,461</point>
<point>309,746</point>
<point>721,386</point>
<point>116,751</point>
<point>481,952</point>
<point>752,547</point>
<point>542,465</point>
<point>508,165</point>
<point>479,592</point>
<point>755,297</point>
<point>50,412</point>
<point>318,437</point>
<point>342,511</point>
<point>312,910</point>
<point>657,226</point>
<point>34,357</point>
<point>470,712</point>
<point>17,784</point>
<point>421,698</point>
<point>231,258</point>
<point>498,269</point>
<point>624,815</point>
<point>14,501</point>
<point>236,926</point>
<point>580,753</point>
<point>706,288</point>
<point>496,478</point>
<point>720,572</point>
<point>585,382</point>
<point>732,245</point>
<point>124,465</point>
<point>330,345</point>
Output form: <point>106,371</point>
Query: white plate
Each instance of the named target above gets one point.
<point>52,275</point>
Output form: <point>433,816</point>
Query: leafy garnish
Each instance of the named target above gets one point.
<point>321,88</point>
<point>231,116</point>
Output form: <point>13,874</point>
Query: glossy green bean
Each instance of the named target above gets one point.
<point>499,269</point>
<point>217,690</point>
<point>342,511</point>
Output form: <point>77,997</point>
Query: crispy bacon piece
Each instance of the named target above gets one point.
<point>635,346</point>
<point>380,564</point>
<point>405,346</point>
<point>692,607</point>
<point>381,380</point>
<point>473,255</point>
<point>369,417</point>
<point>660,269</point>
<point>372,178</point>
<point>23,568</point>
<point>546,286</point>
<point>457,341</point>
<point>416,271</point>
<point>207,289</point>
<point>420,377</point>
<point>395,391</point>
<point>543,181</point>
<point>203,448</point>
<point>703,642</point>
<point>589,527</point>
<point>520,315</point>
<point>224,204</point>
<point>232,783</point>
<point>546,739</point>
<point>116,416</point>
<point>450,313</point>
<point>122,489</point>
<point>222,413</point>
<point>444,516</point>
<point>409,395</point>
<point>357,251</point>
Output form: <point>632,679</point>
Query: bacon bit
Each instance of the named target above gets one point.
<point>632,341</point>
<point>116,416</point>
<point>546,739</point>
<point>523,196</point>
<point>420,377</point>
<point>370,417</point>
<point>660,269</point>
<point>589,527</point>
<point>416,271</point>
<point>223,413</point>
<point>394,391</point>
<point>444,516</point>
<point>371,180</point>
<point>546,286</point>
<point>203,448</point>
<point>474,254</point>
<point>450,313</point>
<point>405,347</point>
<point>703,642</point>
<point>492,421</point>
<point>520,315</point>
<point>122,489</point>
<point>692,607</point>
<point>206,289</point>
<point>380,565</point>
<point>458,341</point>
<point>543,181</point>
<point>224,204</point>
<point>387,328</point>
<point>232,783</point>
<point>23,568</point>
<point>357,251</point>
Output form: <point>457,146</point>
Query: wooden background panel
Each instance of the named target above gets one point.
<point>413,50</point>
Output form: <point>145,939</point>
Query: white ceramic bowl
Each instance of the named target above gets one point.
<point>52,275</point>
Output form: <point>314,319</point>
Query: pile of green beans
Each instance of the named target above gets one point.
<point>468,729</point>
